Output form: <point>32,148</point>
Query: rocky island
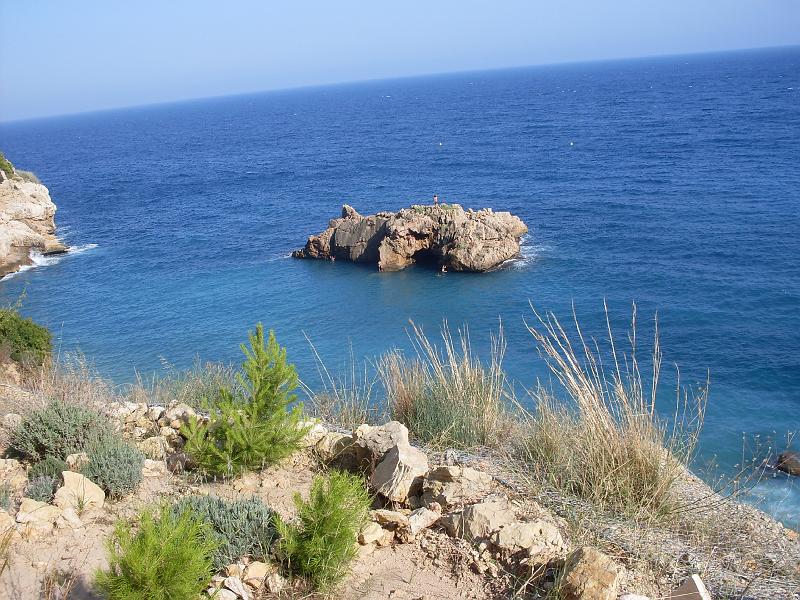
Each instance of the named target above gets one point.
<point>27,219</point>
<point>444,234</point>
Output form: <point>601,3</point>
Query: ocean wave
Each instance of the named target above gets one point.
<point>40,260</point>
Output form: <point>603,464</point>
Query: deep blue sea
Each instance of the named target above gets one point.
<point>673,182</point>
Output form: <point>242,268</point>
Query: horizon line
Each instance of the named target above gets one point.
<point>310,86</point>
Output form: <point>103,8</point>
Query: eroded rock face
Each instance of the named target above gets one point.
<point>27,222</point>
<point>446,234</point>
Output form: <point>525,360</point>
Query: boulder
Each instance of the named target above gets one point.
<point>338,449</point>
<point>154,468</point>
<point>316,431</point>
<point>37,513</point>
<point>691,589</point>
<point>255,573</point>
<point>478,521</point>
<point>450,485</point>
<point>422,518</point>
<point>540,540</point>
<point>789,462</point>
<point>447,234</point>
<point>389,518</point>
<point>590,575</point>
<point>377,441</point>
<point>399,473</point>
<point>180,412</point>
<point>154,413</point>
<point>7,522</point>
<point>237,586</point>
<point>371,533</point>
<point>79,493</point>
<point>75,462</point>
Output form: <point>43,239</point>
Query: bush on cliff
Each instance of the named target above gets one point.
<point>168,558</point>
<point>323,542</point>
<point>114,465</point>
<point>58,430</point>
<point>255,425</point>
<point>6,166</point>
<point>242,527</point>
<point>26,342</point>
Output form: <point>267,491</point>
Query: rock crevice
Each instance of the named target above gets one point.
<point>446,234</point>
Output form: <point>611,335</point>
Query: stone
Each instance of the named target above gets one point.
<point>75,462</point>
<point>590,575</point>
<point>180,413</point>
<point>457,239</point>
<point>7,522</point>
<point>335,447</point>
<point>237,586</point>
<point>400,473</point>
<point>789,462</point>
<point>388,518</point>
<point>221,594</point>
<point>154,447</point>
<point>247,483</point>
<point>691,589</point>
<point>233,570</point>
<point>539,539</point>
<point>154,413</point>
<point>69,519</point>
<point>275,583</point>
<point>478,521</point>
<point>168,432</point>
<point>178,462</point>
<point>315,433</point>
<point>79,493</point>
<point>255,573</point>
<point>154,468</point>
<point>37,513</point>
<point>451,485</point>
<point>11,421</point>
<point>377,441</point>
<point>422,518</point>
<point>371,533</point>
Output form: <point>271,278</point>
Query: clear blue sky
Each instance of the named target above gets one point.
<point>60,56</point>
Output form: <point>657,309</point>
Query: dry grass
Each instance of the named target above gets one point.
<point>445,395</point>
<point>346,400</point>
<point>602,439</point>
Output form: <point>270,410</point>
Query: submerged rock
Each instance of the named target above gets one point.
<point>789,462</point>
<point>445,235</point>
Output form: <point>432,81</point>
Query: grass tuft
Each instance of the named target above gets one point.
<point>446,396</point>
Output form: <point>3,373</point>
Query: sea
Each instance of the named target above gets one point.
<point>670,182</point>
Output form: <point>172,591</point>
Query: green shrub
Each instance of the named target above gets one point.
<point>49,467</point>
<point>58,430</point>
<point>168,558</point>
<point>114,465</point>
<point>27,342</point>
<point>324,541</point>
<point>253,425</point>
<point>41,488</point>
<point>6,166</point>
<point>243,527</point>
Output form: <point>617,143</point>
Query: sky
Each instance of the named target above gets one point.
<point>60,57</point>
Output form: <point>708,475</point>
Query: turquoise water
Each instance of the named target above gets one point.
<point>673,182</point>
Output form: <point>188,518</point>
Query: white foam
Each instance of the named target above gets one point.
<point>40,260</point>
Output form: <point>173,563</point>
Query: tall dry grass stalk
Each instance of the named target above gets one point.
<point>346,400</point>
<point>602,439</point>
<point>445,395</point>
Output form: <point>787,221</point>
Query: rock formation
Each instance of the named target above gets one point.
<point>26,222</point>
<point>445,234</point>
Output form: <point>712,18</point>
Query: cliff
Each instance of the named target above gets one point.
<point>27,221</point>
<point>458,239</point>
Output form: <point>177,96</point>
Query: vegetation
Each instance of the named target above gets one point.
<point>42,488</point>
<point>49,467</point>
<point>255,425</point>
<point>603,440</point>
<point>28,176</point>
<point>25,341</point>
<point>168,558</point>
<point>58,430</point>
<point>114,465</point>
<point>198,387</point>
<point>323,542</point>
<point>5,496</point>
<point>448,398</point>
<point>241,527</point>
<point>6,166</point>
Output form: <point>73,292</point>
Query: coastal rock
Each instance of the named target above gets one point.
<point>789,462</point>
<point>590,575</point>
<point>539,539</point>
<point>445,234</point>
<point>27,222</point>
<point>450,485</point>
<point>400,472</point>
<point>478,521</point>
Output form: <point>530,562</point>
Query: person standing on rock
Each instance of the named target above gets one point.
<point>435,199</point>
